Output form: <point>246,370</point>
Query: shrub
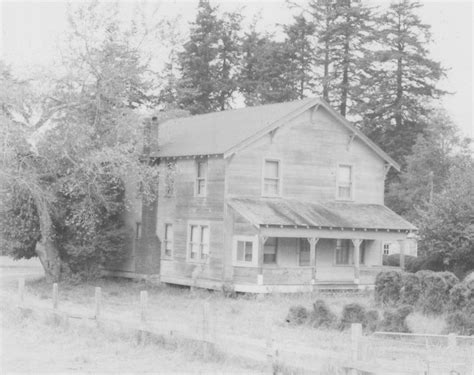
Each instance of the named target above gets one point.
<point>352,313</point>
<point>434,295</point>
<point>322,316</point>
<point>450,278</point>
<point>458,297</point>
<point>461,322</point>
<point>393,260</point>
<point>387,287</point>
<point>297,315</point>
<point>228,290</point>
<point>411,289</point>
<point>372,320</point>
<point>394,320</point>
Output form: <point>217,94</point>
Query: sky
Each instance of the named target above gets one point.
<point>31,32</point>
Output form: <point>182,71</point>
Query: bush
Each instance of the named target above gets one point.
<point>387,287</point>
<point>228,290</point>
<point>461,322</point>
<point>393,260</point>
<point>322,316</point>
<point>372,320</point>
<point>458,297</point>
<point>353,313</point>
<point>450,278</point>
<point>411,289</point>
<point>297,315</point>
<point>434,295</point>
<point>394,320</point>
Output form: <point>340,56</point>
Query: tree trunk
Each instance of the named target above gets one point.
<point>47,251</point>
<point>398,105</point>
<point>48,255</point>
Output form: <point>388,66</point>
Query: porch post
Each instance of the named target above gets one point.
<point>261,247</point>
<point>356,243</point>
<point>312,257</point>
<point>402,244</point>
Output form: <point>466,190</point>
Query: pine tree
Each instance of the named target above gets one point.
<point>301,55</point>
<point>208,61</point>
<point>404,80</point>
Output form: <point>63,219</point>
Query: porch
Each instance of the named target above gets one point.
<point>301,246</point>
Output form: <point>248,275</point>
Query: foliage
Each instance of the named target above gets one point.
<point>297,315</point>
<point>461,322</point>
<point>353,313</point>
<point>446,226</point>
<point>372,319</point>
<point>411,289</point>
<point>434,295</point>
<point>322,316</point>
<point>393,260</point>
<point>387,287</point>
<point>208,61</point>
<point>88,137</point>
<point>461,297</point>
<point>394,320</point>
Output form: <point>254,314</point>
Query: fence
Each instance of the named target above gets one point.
<point>379,353</point>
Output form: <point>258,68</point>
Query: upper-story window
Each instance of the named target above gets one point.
<point>345,175</point>
<point>271,178</point>
<point>168,240</point>
<point>201,177</point>
<point>169,178</point>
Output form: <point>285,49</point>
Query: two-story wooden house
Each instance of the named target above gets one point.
<point>280,197</point>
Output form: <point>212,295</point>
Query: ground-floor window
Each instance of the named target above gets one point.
<point>198,242</point>
<point>245,250</point>
<point>386,248</point>
<point>270,250</point>
<point>168,240</point>
<point>345,252</point>
<point>305,257</point>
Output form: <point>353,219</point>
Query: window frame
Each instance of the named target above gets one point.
<point>200,225</point>
<point>276,252</point>
<point>352,182</point>
<point>362,255</point>
<point>279,179</point>
<point>170,173</point>
<point>138,230</point>
<point>302,241</point>
<point>254,241</point>
<point>383,248</point>
<point>166,240</point>
<point>198,178</point>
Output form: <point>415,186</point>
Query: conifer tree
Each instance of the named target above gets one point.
<point>403,82</point>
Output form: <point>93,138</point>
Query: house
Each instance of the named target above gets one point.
<point>281,197</point>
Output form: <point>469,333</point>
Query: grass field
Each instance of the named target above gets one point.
<point>36,343</point>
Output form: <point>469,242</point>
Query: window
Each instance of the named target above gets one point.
<point>271,178</point>
<point>198,242</point>
<point>201,176</point>
<point>386,249</point>
<point>138,230</point>
<point>168,240</point>
<point>345,252</point>
<point>270,250</point>
<point>169,178</point>
<point>344,182</point>
<point>244,251</point>
<point>305,257</point>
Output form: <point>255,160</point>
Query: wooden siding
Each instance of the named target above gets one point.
<point>184,207</point>
<point>310,148</point>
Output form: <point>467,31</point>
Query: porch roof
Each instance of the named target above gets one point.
<point>297,213</point>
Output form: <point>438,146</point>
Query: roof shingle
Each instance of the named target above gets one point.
<point>291,212</point>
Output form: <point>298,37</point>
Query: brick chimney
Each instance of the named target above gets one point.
<point>148,252</point>
<point>150,136</point>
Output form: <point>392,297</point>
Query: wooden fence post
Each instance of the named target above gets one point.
<point>271,352</point>
<point>21,290</point>
<point>356,335</point>
<point>143,314</point>
<point>55,296</point>
<point>98,303</point>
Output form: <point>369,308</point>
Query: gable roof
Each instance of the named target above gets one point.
<point>227,132</point>
<point>293,212</point>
